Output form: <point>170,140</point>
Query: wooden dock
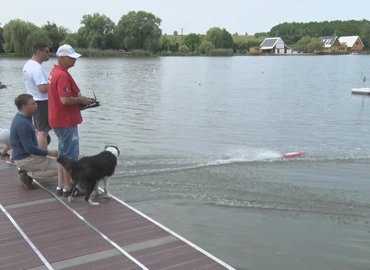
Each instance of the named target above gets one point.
<point>39,230</point>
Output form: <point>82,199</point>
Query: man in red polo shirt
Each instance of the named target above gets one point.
<point>64,113</point>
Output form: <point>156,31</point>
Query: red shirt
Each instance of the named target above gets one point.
<point>61,84</point>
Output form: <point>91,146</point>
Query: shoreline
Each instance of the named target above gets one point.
<point>17,56</point>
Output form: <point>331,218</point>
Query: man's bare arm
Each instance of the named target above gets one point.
<point>43,88</point>
<point>75,100</point>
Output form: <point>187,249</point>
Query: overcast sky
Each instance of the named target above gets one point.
<point>191,16</point>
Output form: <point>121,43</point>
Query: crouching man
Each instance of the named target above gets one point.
<point>32,161</point>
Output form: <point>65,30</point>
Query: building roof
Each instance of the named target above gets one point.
<point>269,43</point>
<point>328,41</point>
<point>350,40</point>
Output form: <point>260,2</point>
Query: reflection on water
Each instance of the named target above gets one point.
<point>216,147</point>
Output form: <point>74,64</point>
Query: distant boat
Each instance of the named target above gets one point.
<point>353,53</point>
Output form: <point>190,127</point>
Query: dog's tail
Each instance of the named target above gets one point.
<point>69,165</point>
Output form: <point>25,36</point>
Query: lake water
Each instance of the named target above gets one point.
<point>202,140</point>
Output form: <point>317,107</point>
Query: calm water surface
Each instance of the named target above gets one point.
<point>202,140</point>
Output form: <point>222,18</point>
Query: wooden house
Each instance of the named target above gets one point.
<point>255,49</point>
<point>332,43</point>
<point>353,43</point>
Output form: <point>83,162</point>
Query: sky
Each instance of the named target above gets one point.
<point>190,16</point>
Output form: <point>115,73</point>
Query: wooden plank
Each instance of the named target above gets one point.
<point>67,242</point>
<point>15,253</point>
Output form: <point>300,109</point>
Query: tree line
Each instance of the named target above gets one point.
<point>291,33</point>
<point>140,30</point>
<point>134,31</point>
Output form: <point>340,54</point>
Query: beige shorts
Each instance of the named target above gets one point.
<point>39,167</point>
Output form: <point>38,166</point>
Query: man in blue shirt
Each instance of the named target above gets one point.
<point>32,161</point>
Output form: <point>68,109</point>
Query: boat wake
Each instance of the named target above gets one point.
<point>134,166</point>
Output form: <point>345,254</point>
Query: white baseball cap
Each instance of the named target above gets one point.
<point>67,50</point>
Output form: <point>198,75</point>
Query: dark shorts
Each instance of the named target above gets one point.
<point>40,117</point>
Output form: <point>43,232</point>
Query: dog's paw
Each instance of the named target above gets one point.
<point>70,198</point>
<point>91,202</point>
<point>99,193</point>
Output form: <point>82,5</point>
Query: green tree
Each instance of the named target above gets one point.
<point>112,41</point>
<point>1,38</point>
<point>226,39</point>
<point>192,41</point>
<point>174,47</point>
<point>312,29</point>
<point>139,30</point>
<point>35,36</point>
<point>151,44</point>
<point>97,29</point>
<point>302,44</point>
<point>220,38</point>
<point>165,43</point>
<point>365,34</point>
<point>251,43</point>
<point>72,39</point>
<point>15,34</point>
<point>213,35</point>
<point>130,43</point>
<point>316,45</point>
<point>81,39</point>
<point>243,46</point>
<point>206,46</point>
<point>56,35</point>
<point>183,49</point>
<point>240,46</point>
<point>326,29</point>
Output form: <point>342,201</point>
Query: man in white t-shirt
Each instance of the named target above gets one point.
<point>36,82</point>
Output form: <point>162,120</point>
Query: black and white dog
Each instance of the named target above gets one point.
<point>88,171</point>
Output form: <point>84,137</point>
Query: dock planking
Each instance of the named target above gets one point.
<point>40,230</point>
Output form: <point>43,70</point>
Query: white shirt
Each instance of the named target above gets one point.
<point>34,75</point>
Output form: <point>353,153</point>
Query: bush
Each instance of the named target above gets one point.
<point>206,46</point>
<point>183,49</point>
